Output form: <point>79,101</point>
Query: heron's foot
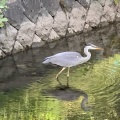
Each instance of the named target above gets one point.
<point>63,87</point>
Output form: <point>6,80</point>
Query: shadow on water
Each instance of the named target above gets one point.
<point>29,91</point>
<point>69,94</point>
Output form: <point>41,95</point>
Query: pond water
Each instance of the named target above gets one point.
<point>29,90</point>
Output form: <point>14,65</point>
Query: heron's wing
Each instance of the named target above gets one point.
<point>67,59</point>
<point>67,55</point>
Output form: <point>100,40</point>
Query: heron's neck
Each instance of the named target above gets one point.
<point>87,53</point>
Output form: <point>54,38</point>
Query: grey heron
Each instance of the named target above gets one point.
<point>69,59</point>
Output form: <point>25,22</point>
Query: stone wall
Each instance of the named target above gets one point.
<point>25,67</point>
<point>32,23</point>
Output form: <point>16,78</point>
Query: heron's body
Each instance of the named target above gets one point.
<point>64,59</point>
<point>69,59</point>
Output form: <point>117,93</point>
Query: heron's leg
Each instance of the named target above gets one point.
<point>68,73</point>
<point>59,74</point>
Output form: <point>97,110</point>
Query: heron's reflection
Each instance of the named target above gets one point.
<point>69,94</point>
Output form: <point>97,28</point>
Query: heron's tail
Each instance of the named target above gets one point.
<point>46,61</point>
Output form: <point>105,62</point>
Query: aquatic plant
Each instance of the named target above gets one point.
<point>2,8</point>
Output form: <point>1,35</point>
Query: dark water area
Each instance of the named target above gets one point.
<point>29,90</point>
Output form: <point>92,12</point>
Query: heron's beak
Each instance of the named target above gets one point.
<point>98,48</point>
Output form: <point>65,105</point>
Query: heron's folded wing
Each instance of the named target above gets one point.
<point>66,59</point>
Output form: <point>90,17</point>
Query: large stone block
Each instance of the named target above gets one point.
<point>44,25</point>
<point>17,47</point>
<point>118,16</point>
<point>7,38</point>
<point>26,33</point>
<point>87,28</point>
<point>60,23</point>
<point>2,37</point>
<point>53,36</point>
<point>77,17</point>
<point>14,13</point>
<point>94,14</point>
<point>32,8</point>
<point>37,42</point>
<point>84,3</point>
<point>118,7</point>
<point>103,22</point>
<point>118,12</point>
<point>66,5</point>
<point>102,2</point>
<point>2,54</point>
<point>109,10</point>
<point>51,6</point>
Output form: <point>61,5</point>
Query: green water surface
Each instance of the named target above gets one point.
<point>44,100</point>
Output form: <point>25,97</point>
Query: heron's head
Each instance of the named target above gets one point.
<point>93,47</point>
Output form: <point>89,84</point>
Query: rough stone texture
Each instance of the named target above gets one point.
<point>31,21</point>
<point>53,36</point>
<point>26,33</point>
<point>118,16</point>
<point>84,3</point>
<point>103,22</point>
<point>37,42</point>
<point>60,23</point>
<point>109,10</point>
<point>15,14</point>
<point>52,6</point>
<point>102,2</point>
<point>118,7</point>
<point>44,25</point>
<point>2,54</point>
<point>118,12</point>
<point>70,32</point>
<point>66,5</point>
<point>17,47</point>
<point>32,8</point>
<point>2,38</point>
<point>11,33</point>
<point>94,14</point>
<point>7,38</point>
<point>77,17</point>
<point>87,28</point>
